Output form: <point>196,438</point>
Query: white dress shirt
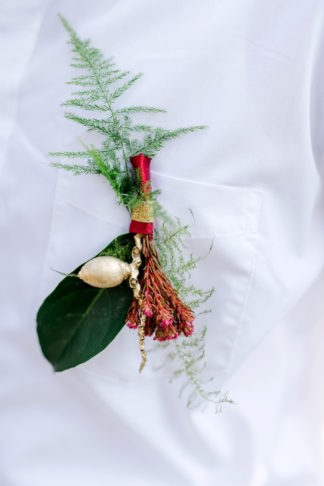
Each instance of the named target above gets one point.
<point>252,70</point>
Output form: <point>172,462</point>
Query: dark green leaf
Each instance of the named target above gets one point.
<point>77,321</point>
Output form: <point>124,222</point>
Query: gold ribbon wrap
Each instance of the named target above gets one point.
<point>143,212</point>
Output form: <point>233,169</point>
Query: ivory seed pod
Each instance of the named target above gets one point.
<point>104,272</point>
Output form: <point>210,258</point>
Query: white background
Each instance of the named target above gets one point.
<point>252,71</point>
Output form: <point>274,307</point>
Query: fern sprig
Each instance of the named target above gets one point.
<point>101,85</point>
<point>187,354</point>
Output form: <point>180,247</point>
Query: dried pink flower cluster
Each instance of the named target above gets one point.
<point>166,315</point>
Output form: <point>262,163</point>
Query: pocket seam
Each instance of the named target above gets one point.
<point>254,257</point>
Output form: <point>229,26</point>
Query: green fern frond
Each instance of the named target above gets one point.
<point>101,85</point>
<point>76,169</point>
<point>140,109</point>
<point>154,141</point>
<point>72,155</point>
<point>187,354</point>
<point>121,89</point>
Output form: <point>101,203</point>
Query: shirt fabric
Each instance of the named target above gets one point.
<point>252,71</point>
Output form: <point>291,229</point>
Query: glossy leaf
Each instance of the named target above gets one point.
<point>77,321</point>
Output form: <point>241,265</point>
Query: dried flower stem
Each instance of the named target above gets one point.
<point>166,315</point>
<point>134,284</point>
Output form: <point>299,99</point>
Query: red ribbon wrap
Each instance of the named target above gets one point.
<point>142,163</point>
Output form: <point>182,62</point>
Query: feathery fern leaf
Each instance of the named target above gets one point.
<point>187,354</point>
<point>101,85</point>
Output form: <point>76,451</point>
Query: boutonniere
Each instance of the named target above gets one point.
<point>141,279</point>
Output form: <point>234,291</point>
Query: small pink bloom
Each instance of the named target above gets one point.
<point>131,325</point>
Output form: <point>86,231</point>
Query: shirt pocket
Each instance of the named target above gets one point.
<point>86,218</point>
